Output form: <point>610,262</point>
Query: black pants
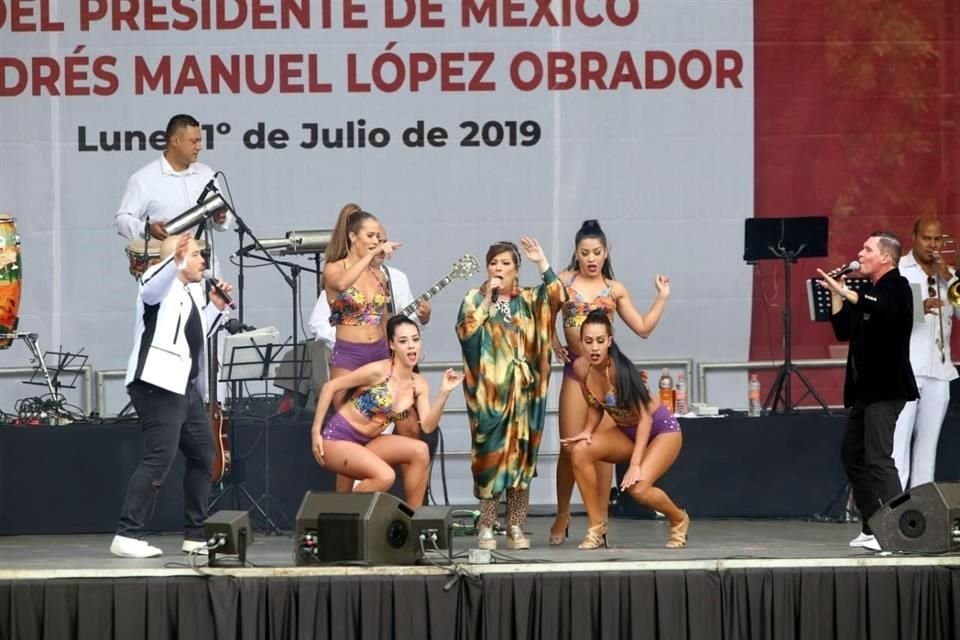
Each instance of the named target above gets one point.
<point>169,421</point>
<point>867,454</point>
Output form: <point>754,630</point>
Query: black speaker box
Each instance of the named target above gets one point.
<point>372,528</point>
<point>924,519</point>
<point>233,527</point>
<point>429,520</point>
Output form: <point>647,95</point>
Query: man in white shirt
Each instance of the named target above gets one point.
<point>918,426</point>
<point>169,185</point>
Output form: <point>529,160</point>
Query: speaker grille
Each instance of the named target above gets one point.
<point>913,523</point>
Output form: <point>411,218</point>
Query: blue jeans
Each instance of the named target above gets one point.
<point>169,421</point>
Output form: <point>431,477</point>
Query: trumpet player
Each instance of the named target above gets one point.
<point>918,427</point>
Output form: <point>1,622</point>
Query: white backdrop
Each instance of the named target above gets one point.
<point>668,171</point>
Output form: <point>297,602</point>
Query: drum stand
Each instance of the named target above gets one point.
<point>54,408</point>
<point>34,347</point>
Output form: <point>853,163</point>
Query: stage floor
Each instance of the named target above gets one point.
<point>635,545</point>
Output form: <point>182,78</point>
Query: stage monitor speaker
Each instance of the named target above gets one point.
<point>371,528</point>
<point>924,519</point>
<point>229,533</point>
<point>429,521</point>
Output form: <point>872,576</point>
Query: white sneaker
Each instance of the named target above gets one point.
<point>864,541</point>
<point>132,548</point>
<point>485,539</point>
<point>197,547</point>
<point>860,539</point>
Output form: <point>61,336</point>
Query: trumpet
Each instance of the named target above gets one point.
<point>953,290</point>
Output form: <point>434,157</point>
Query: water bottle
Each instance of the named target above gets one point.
<point>666,390</point>
<point>680,394</point>
<point>753,407</point>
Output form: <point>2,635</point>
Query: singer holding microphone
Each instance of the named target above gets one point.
<point>505,334</point>
<point>879,380</point>
<point>166,380</point>
<point>169,185</point>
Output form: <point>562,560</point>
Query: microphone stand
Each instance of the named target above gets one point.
<point>293,281</point>
<point>242,252</point>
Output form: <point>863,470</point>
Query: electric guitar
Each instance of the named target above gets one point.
<point>462,268</point>
<point>219,422</point>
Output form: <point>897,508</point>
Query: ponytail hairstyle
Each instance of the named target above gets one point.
<point>395,321</point>
<point>349,221</point>
<point>632,393</point>
<point>591,229</point>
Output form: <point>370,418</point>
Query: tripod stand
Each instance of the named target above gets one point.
<point>249,357</point>
<point>781,390</point>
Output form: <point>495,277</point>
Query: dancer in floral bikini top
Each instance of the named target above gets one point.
<point>351,442</point>
<point>647,434</point>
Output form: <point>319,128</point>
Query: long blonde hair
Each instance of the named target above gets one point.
<point>349,221</point>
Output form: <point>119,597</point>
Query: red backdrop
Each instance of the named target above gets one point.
<point>857,110</point>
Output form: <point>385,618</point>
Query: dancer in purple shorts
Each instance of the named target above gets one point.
<point>357,291</point>
<point>590,286</point>
<point>351,442</point>
<point>647,434</point>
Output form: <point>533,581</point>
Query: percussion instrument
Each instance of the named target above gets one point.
<point>10,275</point>
<point>143,255</point>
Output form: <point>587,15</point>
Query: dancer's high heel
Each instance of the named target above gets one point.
<point>595,538</point>
<point>678,533</point>
<point>559,538</point>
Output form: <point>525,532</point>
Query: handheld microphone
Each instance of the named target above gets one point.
<point>494,293</point>
<point>850,268</point>
<point>212,283</point>
<point>211,186</point>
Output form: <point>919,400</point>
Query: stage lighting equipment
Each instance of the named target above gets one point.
<point>197,214</point>
<point>313,241</point>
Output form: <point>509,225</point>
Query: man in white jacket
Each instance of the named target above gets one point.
<point>166,381</point>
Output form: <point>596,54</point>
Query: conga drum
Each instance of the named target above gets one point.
<point>142,255</point>
<point>10,274</point>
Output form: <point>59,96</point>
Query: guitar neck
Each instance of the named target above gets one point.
<point>429,293</point>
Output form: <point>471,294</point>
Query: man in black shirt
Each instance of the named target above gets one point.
<point>166,380</point>
<point>879,379</point>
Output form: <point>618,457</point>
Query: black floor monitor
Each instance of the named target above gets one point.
<point>771,238</point>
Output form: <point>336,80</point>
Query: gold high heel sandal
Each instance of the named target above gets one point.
<point>595,538</point>
<point>559,538</point>
<point>678,533</point>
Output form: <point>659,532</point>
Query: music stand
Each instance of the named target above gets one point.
<point>786,239</point>
<point>250,356</point>
<point>818,296</point>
